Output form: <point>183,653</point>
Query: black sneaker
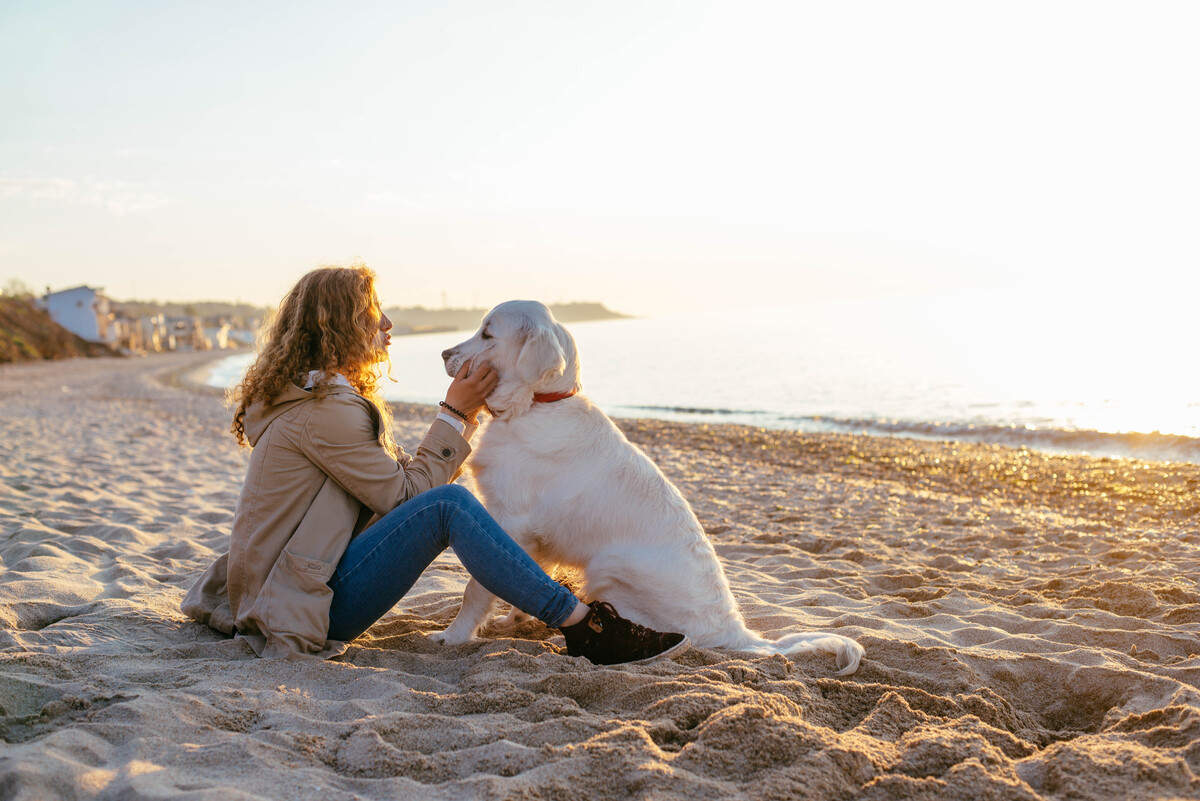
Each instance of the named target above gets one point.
<point>606,638</point>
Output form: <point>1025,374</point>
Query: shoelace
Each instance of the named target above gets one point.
<point>602,615</point>
<point>610,616</point>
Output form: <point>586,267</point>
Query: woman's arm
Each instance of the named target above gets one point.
<point>340,438</point>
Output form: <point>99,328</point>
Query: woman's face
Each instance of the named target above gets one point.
<point>382,338</point>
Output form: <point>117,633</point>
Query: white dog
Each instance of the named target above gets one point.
<point>568,486</point>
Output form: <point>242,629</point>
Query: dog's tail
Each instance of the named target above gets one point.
<point>848,652</point>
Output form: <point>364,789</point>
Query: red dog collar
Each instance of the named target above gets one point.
<point>551,397</point>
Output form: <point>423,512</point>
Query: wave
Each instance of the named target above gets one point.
<point>696,411</point>
<point>1153,446</point>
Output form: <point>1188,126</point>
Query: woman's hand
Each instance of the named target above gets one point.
<point>470,388</point>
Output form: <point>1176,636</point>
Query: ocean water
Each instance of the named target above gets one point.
<point>1107,378</point>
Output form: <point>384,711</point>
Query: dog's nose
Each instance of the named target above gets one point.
<point>446,354</point>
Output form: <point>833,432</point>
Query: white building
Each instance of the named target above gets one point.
<point>155,336</point>
<point>218,336</point>
<point>187,333</point>
<point>83,311</point>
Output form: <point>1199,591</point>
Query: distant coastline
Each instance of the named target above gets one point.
<point>122,327</point>
<point>407,320</point>
<point>420,320</point>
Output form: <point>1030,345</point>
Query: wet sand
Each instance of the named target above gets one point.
<point>1032,626</point>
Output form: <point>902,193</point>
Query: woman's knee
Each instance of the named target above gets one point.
<point>456,494</point>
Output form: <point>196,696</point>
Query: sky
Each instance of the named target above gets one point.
<point>655,156</point>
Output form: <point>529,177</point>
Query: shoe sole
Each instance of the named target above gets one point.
<point>678,647</point>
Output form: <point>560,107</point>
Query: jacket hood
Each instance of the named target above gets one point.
<point>260,415</point>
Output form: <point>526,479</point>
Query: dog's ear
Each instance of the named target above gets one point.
<point>541,356</point>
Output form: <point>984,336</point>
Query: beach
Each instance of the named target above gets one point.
<point>1031,625</point>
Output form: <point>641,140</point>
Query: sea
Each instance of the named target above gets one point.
<point>1109,375</point>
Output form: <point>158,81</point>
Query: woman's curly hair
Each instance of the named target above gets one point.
<point>328,322</point>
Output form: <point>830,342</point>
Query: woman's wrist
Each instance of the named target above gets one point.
<point>457,413</point>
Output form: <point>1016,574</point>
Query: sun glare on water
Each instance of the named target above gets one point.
<point>1108,364</point>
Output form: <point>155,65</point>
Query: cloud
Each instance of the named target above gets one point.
<point>118,198</point>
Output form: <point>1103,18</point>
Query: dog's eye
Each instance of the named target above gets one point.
<point>485,335</point>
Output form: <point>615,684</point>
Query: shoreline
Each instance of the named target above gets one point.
<point>1032,626</point>
<point>1138,446</point>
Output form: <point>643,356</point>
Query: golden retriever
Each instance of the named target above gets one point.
<point>568,486</point>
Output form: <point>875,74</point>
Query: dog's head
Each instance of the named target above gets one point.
<point>530,350</point>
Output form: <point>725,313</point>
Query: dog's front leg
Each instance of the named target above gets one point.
<point>476,609</point>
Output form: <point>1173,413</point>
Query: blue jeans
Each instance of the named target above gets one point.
<point>383,562</point>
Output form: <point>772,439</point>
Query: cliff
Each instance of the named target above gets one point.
<point>27,333</point>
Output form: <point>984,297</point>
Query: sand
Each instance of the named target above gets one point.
<point>1032,626</point>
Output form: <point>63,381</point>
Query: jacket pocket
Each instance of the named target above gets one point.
<point>292,608</point>
<point>306,565</point>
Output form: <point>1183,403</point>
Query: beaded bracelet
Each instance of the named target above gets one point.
<point>450,408</point>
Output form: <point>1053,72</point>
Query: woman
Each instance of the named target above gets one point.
<point>335,523</point>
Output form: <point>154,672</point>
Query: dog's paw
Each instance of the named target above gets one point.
<point>513,617</point>
<point>449,637</point>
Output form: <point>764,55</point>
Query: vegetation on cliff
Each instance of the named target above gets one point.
<point>27,333</point>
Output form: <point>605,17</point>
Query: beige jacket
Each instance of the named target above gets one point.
<point>317,477</point>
